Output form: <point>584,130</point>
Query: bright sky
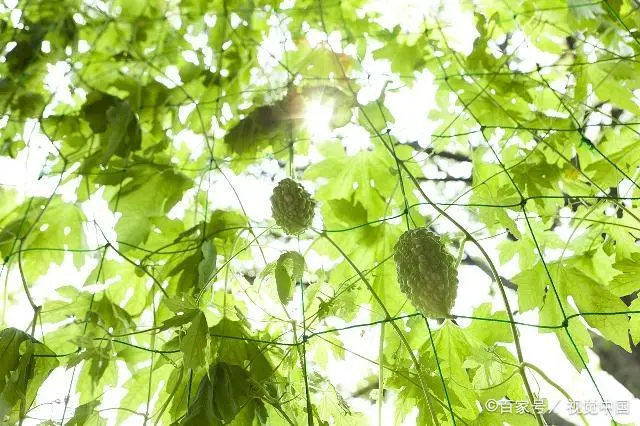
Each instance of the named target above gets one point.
<point>410,106</point>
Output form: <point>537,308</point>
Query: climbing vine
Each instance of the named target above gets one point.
<point>201,202</point>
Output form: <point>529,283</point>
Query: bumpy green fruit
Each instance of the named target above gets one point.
<point>292,207</point>
<point>426,272</point>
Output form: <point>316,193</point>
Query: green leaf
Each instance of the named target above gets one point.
<point>59,225</point>
<point>634,322</point>
<point>490,187</point>
<point>487,370</point>
<point>27,48</point>
<point>123,134</point>
<point>501,332</point>
<point>207,266</point>
<point>184,303</point>
<point>180,319</point>
<point>97,362</point>
<point>363,177</point>
<point>532,284</point>
<point>526,246</point>
<point>262,126</point>
<point>25,364</point>
<point>116,121</point>
<point>406,56</point>
<point>221,395</point>
<point>332,407</point>
<point>456,347</point>
<point>288,271</point>
<point>283,282</point>
<point>195,343</point>
<point>551,315</point>
<point>614,82</point>
<point>144,201</point>
<point>318,61</point>
<point>138,387</point>
<point>167,110</point>
<point>87,414</point>
<point>479,59</point>
<point>628,279</point>
<point>365,246</point>
<point>618,154</point>
<point>225,224</point>
<point>126,289</point>
<point>595,299</point>
<point>597,265</point>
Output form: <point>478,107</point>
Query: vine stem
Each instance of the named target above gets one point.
<point>389,319</point>
<point>36,312</point>
<point>304,350</point>
<point>497,278</point>
<point>303,362</point>
<point>468,236</point>
<point>25,286</point>
<point>461,251</point>
<point>140,266</point>
<point>5,299</point>
<point>151,368</point>
<point>168,400</point>
<point>282,413</point>
<point>302,354</point>
<point>435,355</point>
<point>291,157</point>
<point>556,386</point>
<point>381,375</point>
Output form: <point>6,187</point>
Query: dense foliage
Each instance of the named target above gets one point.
<point>153,110</point>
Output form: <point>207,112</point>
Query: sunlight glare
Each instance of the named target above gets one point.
<point>317,118</point>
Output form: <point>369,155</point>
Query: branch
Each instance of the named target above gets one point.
<point>445,179</point>
<point>555,420</point>
<point>473,261</point>
<point>364,392</point>
<point>613,359</point>
<point>443,154</point>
